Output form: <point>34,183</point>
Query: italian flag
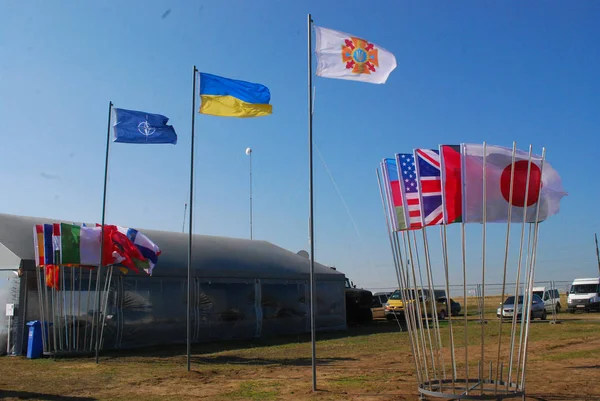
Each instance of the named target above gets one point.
<point>80,245</point>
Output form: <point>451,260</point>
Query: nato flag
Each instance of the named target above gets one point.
<point>139,127</point>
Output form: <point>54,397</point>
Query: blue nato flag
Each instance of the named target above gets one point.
<point>131,126</point>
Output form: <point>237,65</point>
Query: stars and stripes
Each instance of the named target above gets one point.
<point>429,182</point>
<point>409,187</point>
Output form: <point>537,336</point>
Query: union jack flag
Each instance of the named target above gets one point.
<point>430,186</point>
<point>410,190</point>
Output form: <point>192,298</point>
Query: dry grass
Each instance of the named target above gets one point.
<point>371,362</point>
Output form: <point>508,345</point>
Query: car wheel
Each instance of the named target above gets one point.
<point>544,315</point>
<point>557,308</point>
<point>442,315</point>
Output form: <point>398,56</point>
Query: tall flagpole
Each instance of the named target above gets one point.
<point>98,272</point>
<point>189,272</point>
<point>249,153</point>
<point>597,252</point>
<point>310,211</point>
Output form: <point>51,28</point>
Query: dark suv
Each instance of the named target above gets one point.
<point>358,304</point>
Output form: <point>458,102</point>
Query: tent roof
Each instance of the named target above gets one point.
<point>213,257</point>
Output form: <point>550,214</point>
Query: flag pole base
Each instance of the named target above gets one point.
<point>471,389</point>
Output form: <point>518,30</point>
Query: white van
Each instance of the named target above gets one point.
<point>584,295</point>
<point>550,296</point>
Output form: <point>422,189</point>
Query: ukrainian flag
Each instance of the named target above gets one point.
<point>232,98</point>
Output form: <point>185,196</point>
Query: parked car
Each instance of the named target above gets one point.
<point>507,310</point>
<point>550,296</point>
<point>358,303</point>
<point>454,306</point>
<point>379,300</point>
<point>584,295</point>
<point>395,308</point>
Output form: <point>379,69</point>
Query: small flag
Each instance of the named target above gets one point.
<point>48,245</point>
<point>544,183</point>
<point>148,249</point>
<point>344,56</point>
<point>410,191</point>
<point>429,182</point>
<point>131,126</point>
<point>80,245</point>
<point>451,167</point>
<point>56,243</point>
<point>226,97</point>
<point>392,181</point>
<point>52,276</point>
<point>38,243</point>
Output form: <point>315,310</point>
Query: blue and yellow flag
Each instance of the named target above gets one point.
<point>232,98</point>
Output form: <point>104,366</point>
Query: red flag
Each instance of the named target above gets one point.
<point>52,276</point>
<point>451,183</point>
<point>118,249</point>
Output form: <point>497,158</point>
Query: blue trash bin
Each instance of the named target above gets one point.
<point>34,342</point>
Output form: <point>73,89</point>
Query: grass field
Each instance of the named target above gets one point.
<point>368,363</point>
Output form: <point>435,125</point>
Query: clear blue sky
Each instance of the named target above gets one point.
<point>467,71</point>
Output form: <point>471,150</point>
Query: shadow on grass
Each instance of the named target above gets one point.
<point>557,397</point>
<point>585,367</point>
<point>236,360</point>
<point>167,351</point>
<point>28,395</point>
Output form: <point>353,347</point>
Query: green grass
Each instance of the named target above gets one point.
<point>569,355</point>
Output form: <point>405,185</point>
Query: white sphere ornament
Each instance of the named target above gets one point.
<point>248,151</point>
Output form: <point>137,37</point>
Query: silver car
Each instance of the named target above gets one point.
<point>507,310</point>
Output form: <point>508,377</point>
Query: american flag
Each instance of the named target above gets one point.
<point>430,183</point>
<point>410,190</point>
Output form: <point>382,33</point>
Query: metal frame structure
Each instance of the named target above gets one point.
<point>486,370</point>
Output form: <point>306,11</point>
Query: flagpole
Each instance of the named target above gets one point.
<point>98,272</point>
<point>310,210</point>
<point>597,252</point>
<point>189,275</point>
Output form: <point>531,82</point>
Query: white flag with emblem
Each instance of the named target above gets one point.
<point>344,56</point>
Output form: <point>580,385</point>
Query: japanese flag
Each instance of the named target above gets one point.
<point>544,183</point>
<point>344,56</point>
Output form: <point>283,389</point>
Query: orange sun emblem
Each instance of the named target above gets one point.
<point>360,56</point>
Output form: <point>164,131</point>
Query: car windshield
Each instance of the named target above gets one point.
<point>584,288</point>
<point>539,293</point>
<point>511,300</point>
<point>397,295</point>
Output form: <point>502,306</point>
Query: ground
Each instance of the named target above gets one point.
<point>368,363</point>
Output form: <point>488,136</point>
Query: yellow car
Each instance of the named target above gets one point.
<point>394,308</point>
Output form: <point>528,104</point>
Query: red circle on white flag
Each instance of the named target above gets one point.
<point>520,183</point>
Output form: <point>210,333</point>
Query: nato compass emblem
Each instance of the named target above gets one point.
<point>146,129</point>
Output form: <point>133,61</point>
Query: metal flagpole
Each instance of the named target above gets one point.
<point>99,271</point>
<point>597,253</point>
<point>464,261</point>
<point>528,291</point>
<point>397,257</point>
<point>483,270</point>
<point>249,153</point>
<point>311,231</point>
<point>399,265</point>
<point>513,329</point>
<point>189,273</point>
<point>431,299</point>
<point>510,200</point>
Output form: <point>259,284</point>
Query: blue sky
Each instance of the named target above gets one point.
<point>467,72</point>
